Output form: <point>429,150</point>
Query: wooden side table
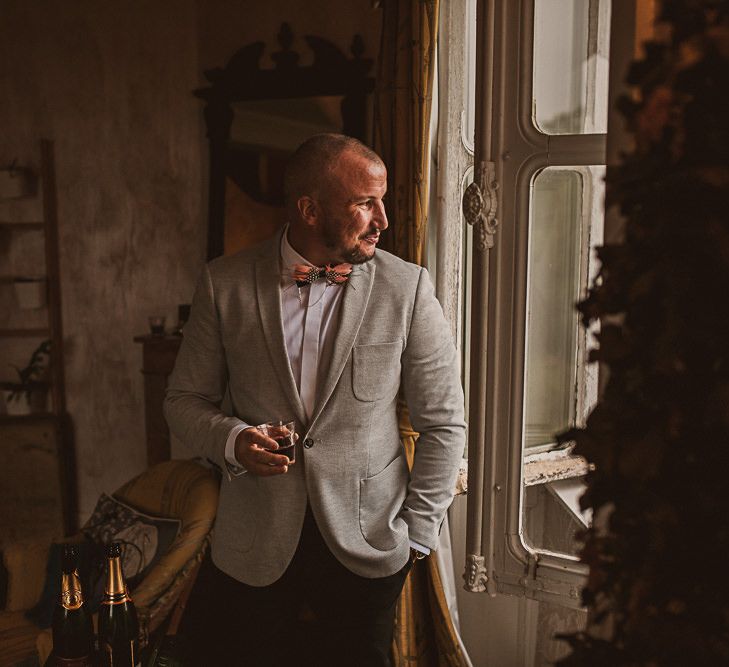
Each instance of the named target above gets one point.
<point>158,360</point>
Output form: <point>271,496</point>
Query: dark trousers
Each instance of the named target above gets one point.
<point>317,613</point>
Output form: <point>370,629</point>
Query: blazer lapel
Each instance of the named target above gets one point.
<point>268,278</point>
<point>354,302</point>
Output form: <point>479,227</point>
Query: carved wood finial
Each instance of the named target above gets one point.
<point>286,58</point>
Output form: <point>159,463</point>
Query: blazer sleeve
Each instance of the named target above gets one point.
<point>432,388</point>
<point>199,381</point>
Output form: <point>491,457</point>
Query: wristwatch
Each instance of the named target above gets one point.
<point>416,555</point>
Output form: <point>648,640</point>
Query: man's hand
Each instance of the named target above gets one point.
<point>250,451</point>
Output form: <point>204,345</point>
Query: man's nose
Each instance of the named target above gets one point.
<point>380,217</point>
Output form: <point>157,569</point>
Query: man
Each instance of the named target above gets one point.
<point>332,347</point>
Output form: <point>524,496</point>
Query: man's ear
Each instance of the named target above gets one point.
<point>308,210</point>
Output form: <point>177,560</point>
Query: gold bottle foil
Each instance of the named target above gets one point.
<point>115,589</point>
<point>71,595</point>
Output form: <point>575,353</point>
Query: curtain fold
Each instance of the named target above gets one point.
<point>402,118</point>
<point>424,632</point>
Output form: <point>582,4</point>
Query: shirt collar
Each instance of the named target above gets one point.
<point>289,257</point>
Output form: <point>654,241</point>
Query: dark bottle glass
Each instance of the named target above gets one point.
<point>73,633</point>
<point>118,624</point>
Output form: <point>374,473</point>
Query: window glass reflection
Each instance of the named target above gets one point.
<point>566,223</point>
<point>554,288</point>
<point>571,40</point>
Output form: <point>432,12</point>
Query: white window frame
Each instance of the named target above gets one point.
<point>507,155</point>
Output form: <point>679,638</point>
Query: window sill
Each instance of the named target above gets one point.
<point>553,466</point>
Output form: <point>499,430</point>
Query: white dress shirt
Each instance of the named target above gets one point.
<point>310,320</point>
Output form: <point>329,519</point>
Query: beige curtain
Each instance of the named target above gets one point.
<point>424,632</point>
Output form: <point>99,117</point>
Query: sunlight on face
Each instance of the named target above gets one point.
<point>352,213</point>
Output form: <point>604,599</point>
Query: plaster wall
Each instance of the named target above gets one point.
<point>110,84</point>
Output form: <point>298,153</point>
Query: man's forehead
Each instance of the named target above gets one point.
<point>357,173</point>
<point>352,159</point>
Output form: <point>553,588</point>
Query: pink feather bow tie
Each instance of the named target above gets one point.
<point>334,275</point>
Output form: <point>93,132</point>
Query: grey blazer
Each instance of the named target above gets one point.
<point>350,463</point>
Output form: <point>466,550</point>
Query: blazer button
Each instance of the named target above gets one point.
<point>308,443</point>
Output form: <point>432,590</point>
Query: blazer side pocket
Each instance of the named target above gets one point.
<point>380,501</point>
<point>376,370</point>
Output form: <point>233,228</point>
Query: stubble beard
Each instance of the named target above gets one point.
<point>356,256</point>
<point>352,256</point>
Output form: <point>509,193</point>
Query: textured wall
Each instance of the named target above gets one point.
<point>110,82</point>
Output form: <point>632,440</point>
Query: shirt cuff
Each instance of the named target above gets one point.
<point>235,469</point>
<point>419,547</point>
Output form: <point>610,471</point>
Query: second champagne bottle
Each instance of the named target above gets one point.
<point>118,624</point>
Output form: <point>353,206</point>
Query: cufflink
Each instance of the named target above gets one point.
<point>416,555</point>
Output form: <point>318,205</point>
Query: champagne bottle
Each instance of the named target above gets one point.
<point>73,633</point>
<point>118,624</point>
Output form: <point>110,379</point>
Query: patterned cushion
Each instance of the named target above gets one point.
<point>145,537</point>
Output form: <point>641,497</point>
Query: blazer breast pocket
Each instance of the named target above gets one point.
<point>376,370</point>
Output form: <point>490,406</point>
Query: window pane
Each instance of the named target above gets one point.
<point>571,40</point>
<point>469,116</point>
<point>566,224</point>
<point>554,288</point>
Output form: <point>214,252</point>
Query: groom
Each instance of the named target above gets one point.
<point>318,326</point>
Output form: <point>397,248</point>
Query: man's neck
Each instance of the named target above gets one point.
<point>307,247</point>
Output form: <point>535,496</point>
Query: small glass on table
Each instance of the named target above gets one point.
<point>283,432</point>
<point>157,325</point>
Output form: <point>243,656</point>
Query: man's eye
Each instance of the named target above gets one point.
<point>366,204</point>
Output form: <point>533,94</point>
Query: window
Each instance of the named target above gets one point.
<point>564,224</point>
<point>540,126</point>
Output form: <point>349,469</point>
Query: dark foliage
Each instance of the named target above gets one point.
<point>659,437</point>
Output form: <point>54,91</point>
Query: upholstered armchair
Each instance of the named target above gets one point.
<point>175,489</point>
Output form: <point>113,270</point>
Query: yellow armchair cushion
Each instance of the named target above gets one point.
<point>25,563</point>
<point>179,489</point>
<point>17,637</point>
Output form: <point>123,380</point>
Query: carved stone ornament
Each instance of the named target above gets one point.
<point>480,203</point>
<point>475,575</point>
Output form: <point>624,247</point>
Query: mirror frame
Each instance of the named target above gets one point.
<point>242,79</point>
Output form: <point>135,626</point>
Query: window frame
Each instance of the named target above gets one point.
<point>513,150</point>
